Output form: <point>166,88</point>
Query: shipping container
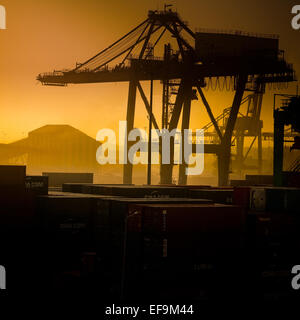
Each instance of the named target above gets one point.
<point>184,243</point>
<point>130,191</point>
<point>110,229</point>
<point>57,179</point>
<point>188,217</point>
<point>96,188</point>
<point>275,239</point>
<point>37,184</point>
<point>86,188</point>
<point>74,187</point>
<point>187,186</point>
<point>65,231</point>
<point>239,183</point>
<point>291,179</point>
<point>192,233</point>
<point>59,212</point>
<point>114,210</point>
<point>110,216</point>
<point>241,196</point>
<point>12,175</point>
<point>274,199</point>
<point>283,239</point>
<point>217,195</point>
<point>17,206</point>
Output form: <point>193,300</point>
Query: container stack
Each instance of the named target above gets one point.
<point>217,195</point>
<point>16,202</point>
<point>57,179</point>
<point>179,246</point>
<point>18,227</point>
<point>273,222</point>
<point>134,243</point>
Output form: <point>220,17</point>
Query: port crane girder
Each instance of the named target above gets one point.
<point>184,66</point>
<point>160,70</point>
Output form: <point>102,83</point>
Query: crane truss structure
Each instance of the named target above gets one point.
<point>183,72</point>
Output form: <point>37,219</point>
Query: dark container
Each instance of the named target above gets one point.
<point>54,211</point>
<point>17,206</point>
<point>110,221</point>
<point>114,210</point>
<point>74,187</point>
<point>217,195</point>
<point>181,217</point>
<point>276,239</point>
<point>37,184</point>
<point>57,179</point>
<point>291,179</point>
<point>239,183</point>
<point>241,196</point>
<point>12,175</point>
<point>283,200</point>
<point>66,220</point>
<point>138,191</point>
<point>110,216</point>
<point>65,232</point>
<point>88,188</point>
<point>191,242</point>
<point>186,186</point>
<point>185,233</point>
<point>284,238</point>
<point>95,188</point>
<point>275,199</point>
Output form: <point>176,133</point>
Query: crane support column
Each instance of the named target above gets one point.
<point>240,139</point>
<point>278,147</point>
<point>166,170</point>
<point>185,125</point>
<point>259,151</point>
<point>127,169</point>
<point>225,152</point>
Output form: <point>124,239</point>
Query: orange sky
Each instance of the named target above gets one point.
<point>46,35</point>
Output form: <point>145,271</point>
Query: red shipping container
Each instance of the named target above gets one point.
<point>189,229</point>
<point>241,196</point>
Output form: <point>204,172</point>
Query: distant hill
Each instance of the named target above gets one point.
<point>53,147</point>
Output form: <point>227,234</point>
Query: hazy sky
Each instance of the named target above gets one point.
<point>46,35</point>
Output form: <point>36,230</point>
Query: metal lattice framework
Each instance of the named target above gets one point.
<point>183,75</point>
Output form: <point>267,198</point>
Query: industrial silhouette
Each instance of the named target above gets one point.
<point>52,148</point>
<point>249,61</point>
<point>129,244</point>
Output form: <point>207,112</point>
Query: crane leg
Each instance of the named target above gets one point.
<point>239,152</point>
<point>127,169</point>
<point>185,125</point>
<point>166,170</point>
<point>278,147</point>
<point>259,151</point>
<point>225,152</point>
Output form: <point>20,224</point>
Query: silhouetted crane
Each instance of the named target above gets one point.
<point>249,60</point>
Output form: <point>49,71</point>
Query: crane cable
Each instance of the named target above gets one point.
<point>109,47</point>
<point>105,56</point>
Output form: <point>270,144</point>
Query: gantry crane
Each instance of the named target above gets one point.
<point>288,114</point>
<point>200,56</point>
